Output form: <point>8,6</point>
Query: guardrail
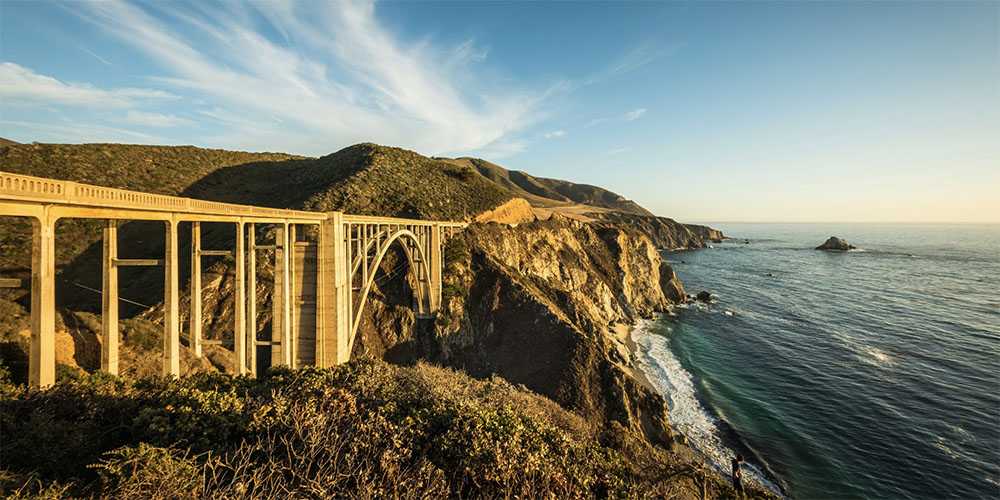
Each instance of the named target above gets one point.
<point>42,190</point>
<point>374,219</point>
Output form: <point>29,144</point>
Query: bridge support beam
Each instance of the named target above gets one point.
<point>42,357</point>
<point>436,252</point>
<point>194,290</point>
<point>252,296</point>
<point>281,312</point>
<point>291,326</point>
<point>171,303</point>
<point>333,294</point>
<point>109,299</point>
<point>239,302</point>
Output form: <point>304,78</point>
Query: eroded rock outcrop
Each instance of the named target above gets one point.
<point>667,233</point>
<point>538,305</point>
<point>836,244</point>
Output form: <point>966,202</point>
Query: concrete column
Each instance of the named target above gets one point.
<point>291,305</point>
<point>42,359</point>
<point>171,303</point>
<point>333,294</point>
<point>252,296</point>
<point>109,300</point>
<point>195,321</point>
<point>435,252</point>
<point>239,302</point>
<point>279,298</point>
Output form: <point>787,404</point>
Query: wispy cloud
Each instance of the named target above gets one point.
<point>555,134</point>
<point>339,77</point>
<point>155,119</point>
<point>629,116</point>
<point>616,151</point>
<point>639,56</point>
<point>74,132</point>
<point>95,56</point>
<point>635,114</point>
<point>20,85</point>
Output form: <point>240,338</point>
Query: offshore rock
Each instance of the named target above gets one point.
<point>836,244</point>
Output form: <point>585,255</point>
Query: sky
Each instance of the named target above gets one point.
<point>710,111</point>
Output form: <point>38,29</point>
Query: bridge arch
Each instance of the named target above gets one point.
<point>417,260</point>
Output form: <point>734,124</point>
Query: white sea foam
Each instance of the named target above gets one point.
<point>865,353</point>
<point>687,415</point>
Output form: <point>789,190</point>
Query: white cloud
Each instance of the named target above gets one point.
<point>616,151</point>
<point>155,119</point>
<point>554,134</point>
<point>72,132</point>
<point>339,78</point>
<point>20,85</point>
<point>635,114</point>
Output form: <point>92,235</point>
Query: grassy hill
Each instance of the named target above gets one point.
<point>545,192</point>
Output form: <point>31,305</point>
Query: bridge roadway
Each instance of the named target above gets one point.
<point>320,287</point>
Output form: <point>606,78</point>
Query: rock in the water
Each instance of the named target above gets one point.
<point>704,296</point>
<point>835,243</point>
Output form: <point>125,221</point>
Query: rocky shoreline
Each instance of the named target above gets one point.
<point>689,448</point>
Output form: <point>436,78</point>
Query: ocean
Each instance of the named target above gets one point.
<point>873,373</point>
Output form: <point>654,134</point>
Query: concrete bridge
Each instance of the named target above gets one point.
<point>320,286</point>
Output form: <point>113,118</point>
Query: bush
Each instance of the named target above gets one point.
<point>362,429</point>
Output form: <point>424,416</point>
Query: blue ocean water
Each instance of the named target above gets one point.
<point>867,374</point>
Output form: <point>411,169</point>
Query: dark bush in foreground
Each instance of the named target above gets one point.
<point>361,430</point>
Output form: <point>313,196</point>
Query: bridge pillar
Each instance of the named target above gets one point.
<point>333,294</point>
<point>109,299</point>
<point>194,290</point>
<point>171,303</point>
<point>436,252</point>
<point>42,359</point>
<point>252,296</point>
<point>239,302</point>
<point>291,298</point>
<point>281,312</point>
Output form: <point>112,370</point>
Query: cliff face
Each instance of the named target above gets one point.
<point>667,233</point>
<point>545,305</point>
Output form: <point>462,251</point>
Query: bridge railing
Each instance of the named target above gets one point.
<point>42,190</point>
<point>398,221</point>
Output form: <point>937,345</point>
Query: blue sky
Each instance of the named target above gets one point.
<point>779,111</point>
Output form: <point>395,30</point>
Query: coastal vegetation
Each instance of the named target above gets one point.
<point>363,429</point>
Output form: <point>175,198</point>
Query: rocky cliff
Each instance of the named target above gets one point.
<point>548,304</point>
<point>667,233</point>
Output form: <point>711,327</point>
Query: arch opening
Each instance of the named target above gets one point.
<point>417,262</point>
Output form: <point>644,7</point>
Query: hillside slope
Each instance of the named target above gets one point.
<point>546,192</point>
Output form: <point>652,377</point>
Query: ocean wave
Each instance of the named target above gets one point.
<point>687,414</point>
<point>867,353</point>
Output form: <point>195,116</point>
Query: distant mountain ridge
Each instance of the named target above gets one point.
<point>545,192</point>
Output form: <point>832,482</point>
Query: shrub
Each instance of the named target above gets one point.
<point>363,429</point>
